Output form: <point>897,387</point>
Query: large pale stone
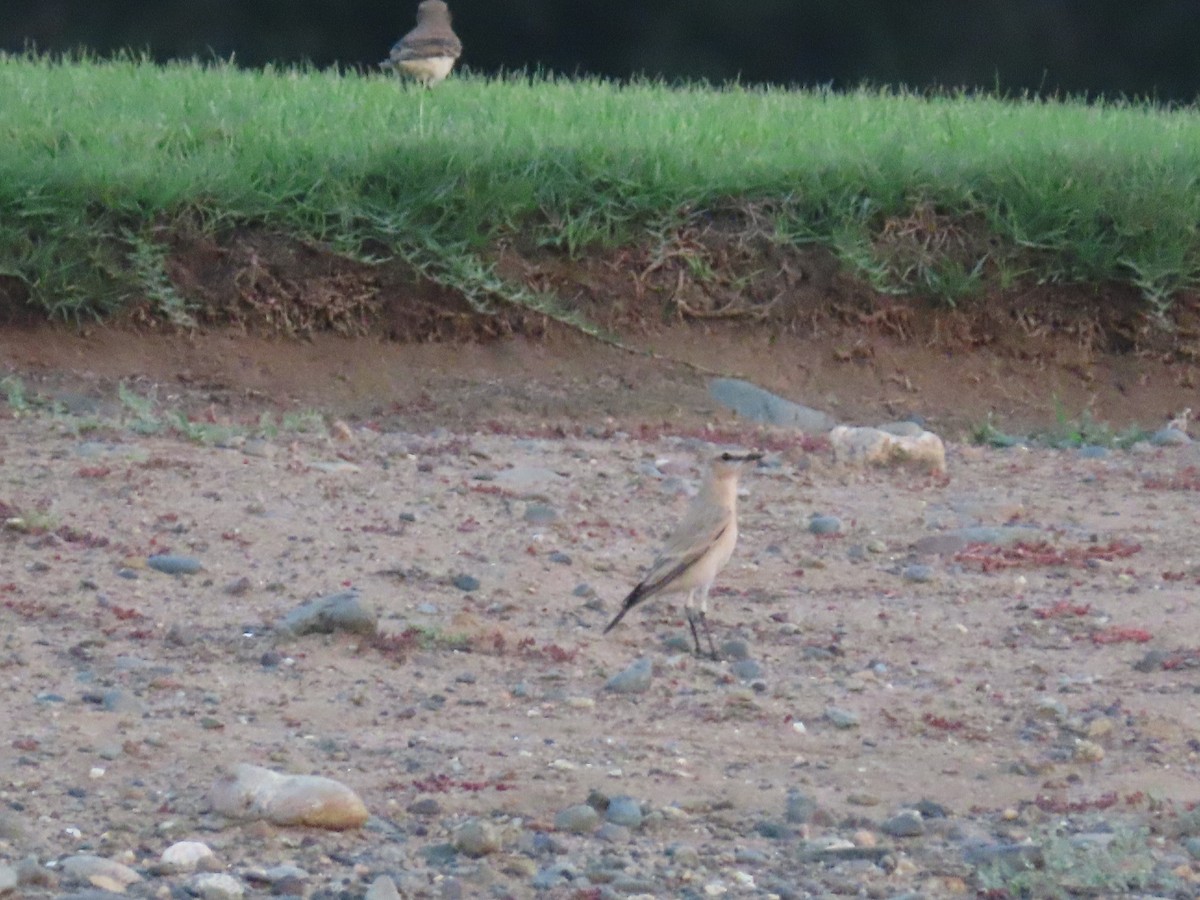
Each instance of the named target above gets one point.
<point>870,446</point>
<point>252,792</point>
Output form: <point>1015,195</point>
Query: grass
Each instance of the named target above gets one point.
<point>1068,432</point>
<point>105,159</point>
<point>1072,867</point>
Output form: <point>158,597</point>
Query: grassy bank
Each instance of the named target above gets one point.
<point>935,195</point>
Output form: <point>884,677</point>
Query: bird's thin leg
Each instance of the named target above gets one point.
<point>691,617</point>
<point>704,621</point>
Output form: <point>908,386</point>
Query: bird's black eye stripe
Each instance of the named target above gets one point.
<point>727,457</point>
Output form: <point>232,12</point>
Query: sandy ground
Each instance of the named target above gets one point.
<point>993,683</point>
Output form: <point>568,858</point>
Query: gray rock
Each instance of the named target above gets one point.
<point>84,867</point>
<point>466,583</point>
<point>540,514</point>
<point>635,884</point>
<point>577,819</point>
<point>215,886</point>
<point>734,648</point>
<point>549,878</point>
<point>476,838</point>
<point>624,810</point>
<point>824,525</point>
<point>841,718</point>
<point>174,565</point>
<point>1093,451</point>
<point>752,402</point>
<point>426,806</point>
<point>902,429</point>
<point>746,670</point>
<point>918,573</point>
<point>774,831</point>
<point>800,807</point>
<point>1169,437</point>
<point>613,833</point>
<point>633,680</point>
<point>906,823</point>
<point>439,854</point>
<point>8,879</point>
<point>344,611</point>
<point>680,642</point>
<point>1192,845</point>
<point>382,888</point>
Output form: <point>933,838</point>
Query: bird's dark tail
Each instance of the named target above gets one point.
<point>635,597</point>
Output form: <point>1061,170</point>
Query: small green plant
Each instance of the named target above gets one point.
<point>14,393</point>
<point>988,435</point>
<point>149,263</point>
<point>145,420</point>
<point>307,421</point>
<point>202,432</point>
<point>1075,866</point>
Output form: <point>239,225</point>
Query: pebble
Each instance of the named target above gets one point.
<point>613,833</point>
<point>907,823</point>
<point>97,871</point>
<point>8,879</point>
<point>734,648</point>
<point>1087,752</point>
<point>624,810</point>
<point>174,565</point>
<point>824,525</point>
<point>799,807</point>
<point>426,806</point>
<point>238,587</point>
<point>1093,451</point>
<point>842,718</point>
<point>215,886</point>
<point>343,611</point>
<point>577,819</point>
<point>540,514</point>
<point>1169,437</point>
<point>746,670</point>
<point>466,583</point>
<point>184,856</point>
<point>476,838</point>
<point>252,792</point>
<point>918,572</point>
<point>633,680</point>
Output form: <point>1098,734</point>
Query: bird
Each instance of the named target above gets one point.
<point>429,51</point>
<point>699,547</point>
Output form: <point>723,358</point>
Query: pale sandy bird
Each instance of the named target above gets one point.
<point>429,51</point>
<point>699,547</point>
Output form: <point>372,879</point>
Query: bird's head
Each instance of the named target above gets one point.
<point>729,463</point>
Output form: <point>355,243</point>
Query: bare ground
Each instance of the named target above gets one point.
<point>1003,689</point>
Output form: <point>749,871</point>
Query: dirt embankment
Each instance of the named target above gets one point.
<point>717,297</point>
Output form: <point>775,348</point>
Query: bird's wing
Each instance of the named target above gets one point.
<point>422,46</point>
<point>701,528</point>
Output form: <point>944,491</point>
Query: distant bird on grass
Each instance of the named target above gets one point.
<point>699,547</point>
<point>429,51</point>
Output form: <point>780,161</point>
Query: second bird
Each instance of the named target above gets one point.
<point>429,51</point>
<point>698,549</point>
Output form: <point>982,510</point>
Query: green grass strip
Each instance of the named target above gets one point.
<point>101,158</point>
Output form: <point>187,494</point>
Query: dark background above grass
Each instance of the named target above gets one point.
<point>1112,47</point>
